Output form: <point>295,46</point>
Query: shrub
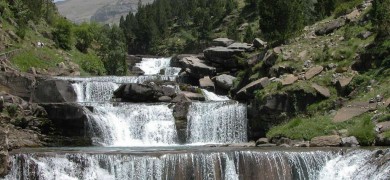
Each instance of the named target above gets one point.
<point>346,6</point>
<point>363,130</point>
<point>63,34</point>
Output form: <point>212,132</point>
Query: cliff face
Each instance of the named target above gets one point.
<point>102,11</point>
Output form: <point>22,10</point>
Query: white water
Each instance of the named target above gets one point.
<point>359,164</point>
<point>217,122</point>
<point>229,165</point>
<point>210,96</point>
<point>153,66</point>
<point>133,125</point>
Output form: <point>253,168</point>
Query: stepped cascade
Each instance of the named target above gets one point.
<point>141,141</point>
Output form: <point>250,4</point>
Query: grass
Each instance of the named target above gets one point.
<point>304,128</point>
<point>363,130</point>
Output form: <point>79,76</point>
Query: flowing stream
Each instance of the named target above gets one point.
<point>140,141</point>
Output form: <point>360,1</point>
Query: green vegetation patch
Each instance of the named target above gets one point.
<point>363,129</point>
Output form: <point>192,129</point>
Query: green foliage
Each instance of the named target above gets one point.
<point>324,8</point>
<point>363,130</point>
<point>384,118</point>
<point>281,19</point>
<point>11,110</point>
<point>91,63</point>
<point>305,128</point>
<point>84,37</point>
<point>113,50</point>
<point>249,35</point>
<point>62,34</point>
<point>345,6</point>
<point>381,17</point>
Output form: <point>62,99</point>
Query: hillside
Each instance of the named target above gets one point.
<point>102,11</point>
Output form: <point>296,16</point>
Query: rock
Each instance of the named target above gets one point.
<point>302,55</point>
<point>321,90</point>
<point>164,99</point>
<point>69,119</point>
<point>181,98</point>
<point>137,71</point>
<point>18,138</point>
<point>324,141</point>
<point>246,144</point>
<point>193,96</point>
<point>313,72</point>
<point>352,110</point>
<point>241,46</point>
<point>349,141</point>
<point>4,163</point>
<point>54,91</point>
<point>251,87</point>
<point>302,144</point>
<point>383,126</point>
<point>284,145</point>
<point>262,141</point>
<point>342,85</point>
<point>281,140</point>
<point>207,84</point>
<point>353,16</point>
<point>387,103</point>
<point>225,57</point>
<point>225,81</point>
<point>330,27</point>
<point>196,67</point>
<point>266,145</point>
<point>279,70</point>
<point>382,140</point>
<point>258,43</point>
<point>150,92</point>
<point>365,34</point>
<point>289,79</point>
<point>225,42</point>
<point>270,58</point>
<point>18,84</point>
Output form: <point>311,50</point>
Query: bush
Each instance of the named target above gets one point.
<point>62,34</point>
<point>92,64</point>
<point>363,130</point>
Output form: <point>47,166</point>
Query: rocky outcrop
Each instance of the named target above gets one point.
<point>225,42</point>
<point>224,81</point>
<point>196,67</point>
<point>180,111</point>
<point>289,79</point>
<point>69,120</point>
<point>150,92</point>
<point>323,91</point>
<point>325,141</point>
<point>247,91</point>
<point>314,71</point>
<point>349,141</point>
<point>193,96</point>
<point>54,91</point>
<point>223,56</point>
<point>19,84</point>
<point>4,158</point>
<point>342,85</point>
<point>353,110</point>
<point>330,27</point>
<point>206,83</point>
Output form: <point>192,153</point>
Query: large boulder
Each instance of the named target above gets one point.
<point>180,111</point>
<point>150,92</point>
<point>323,91</point>
<point>196,67</point>
<point>247,91</point>
<point>225,81</point>
<point>225,42</point>
<point>330,27</point>
<point>223,56</point>
<point>54,91</point>
<point>193,96</point>
<point>258,43</point>
<point>314,71</point>
<point>69,120</point>
<point>241,46</point>
<point>325,141</point>
<point>18,84</point>
<point>4,164</point>
<point>270,57</point>
<point>207,84</point>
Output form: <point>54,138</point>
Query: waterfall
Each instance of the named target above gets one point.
<point>228,165</point>
<point>133,125</point>
<point>217,122</point>
<point>210,96</point>
<point>358,164</point>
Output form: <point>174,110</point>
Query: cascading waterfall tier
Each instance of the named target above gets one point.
<point>132,124</point>
<point>217,122</point>
<point>227,165</point>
